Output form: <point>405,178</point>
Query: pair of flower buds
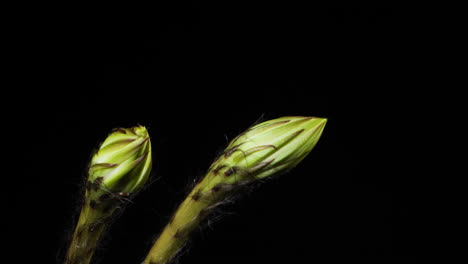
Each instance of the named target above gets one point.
<point>123,163</point>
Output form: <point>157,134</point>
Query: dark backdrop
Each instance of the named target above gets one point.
<point>197,75</point>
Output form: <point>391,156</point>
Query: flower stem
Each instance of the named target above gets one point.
<point>86,237</point>
<point>270,148</point>
<point>196,206</point>
<point>96,215</point>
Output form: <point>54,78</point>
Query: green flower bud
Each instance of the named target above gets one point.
<point>268,148</point>
<point>271,147</point>
<point>123,161</point>
<point>118,169</point>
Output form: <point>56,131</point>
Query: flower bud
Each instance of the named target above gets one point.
<point>123,162</point>
<point>268,148</point>
<point>265,149</point>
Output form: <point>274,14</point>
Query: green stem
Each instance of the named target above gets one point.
<point>196,206</point>
<point>95,217</point>
<point>86,237</point>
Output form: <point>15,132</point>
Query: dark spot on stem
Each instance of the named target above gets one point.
<point>92,204</point>
<point>216,171</point>
<point>203,213</point>
<point>104,197</point>
<point>196,196</point>
<point>230,171</point>
<point>97,183</point>
<point>178,234</point>
<point>79,233</point>
<point>224,187</point>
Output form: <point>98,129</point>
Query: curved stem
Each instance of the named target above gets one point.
<point>95,216</point>
<point>86,237</point>
<point>196,206</point>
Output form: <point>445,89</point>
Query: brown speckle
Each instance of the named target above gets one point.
<point>203,213</point>
<point>97,183</point>
<point>216,171</point>
<point>196,196</point>
<point>92,204</point>
<point>230,171</point>
<point>88,186</point>
<point>104,197</point>
<point>217,188</point>
<point>178,234</point>
<point>79,233</point>
<point>232,150</point>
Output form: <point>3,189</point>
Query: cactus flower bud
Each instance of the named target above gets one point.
<point>123,160</point>
<point>268,148</point>
<point>118,169</point>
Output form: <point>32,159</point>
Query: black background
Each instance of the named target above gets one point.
<point>197,75</point>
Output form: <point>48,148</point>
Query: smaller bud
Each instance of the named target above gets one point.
<point>118,169</point>
<point>123,162</point>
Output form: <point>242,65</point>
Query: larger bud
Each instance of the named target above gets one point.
<point>268,148</point>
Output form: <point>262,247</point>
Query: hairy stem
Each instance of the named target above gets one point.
<point>86,237</point>
<point>196,206</point>
<point>269,148</point>
<point>95,217</point>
